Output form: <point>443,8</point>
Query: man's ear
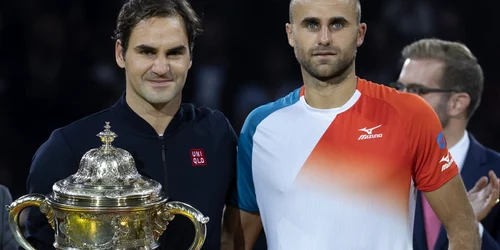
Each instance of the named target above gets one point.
<point>458,104</point>
<point>119,54</point>
<point>289,34</point>
<point>362,27</point>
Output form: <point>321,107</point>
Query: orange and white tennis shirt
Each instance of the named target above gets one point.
<point>341,178</point>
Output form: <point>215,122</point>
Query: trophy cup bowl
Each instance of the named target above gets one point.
<point>107,204</point>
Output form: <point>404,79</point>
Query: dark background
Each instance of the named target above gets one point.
<point>57,62</point>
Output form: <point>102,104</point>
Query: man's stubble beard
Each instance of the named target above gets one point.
<point>337,69</point>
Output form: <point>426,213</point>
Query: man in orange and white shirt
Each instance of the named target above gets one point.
<point>335,164</point>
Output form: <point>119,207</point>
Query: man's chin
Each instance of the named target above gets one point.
<point>323,75</point>
<point>161,98</point>
<point>158,100</point>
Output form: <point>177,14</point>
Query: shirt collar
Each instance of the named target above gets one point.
<point>459,150</point>
<point>138,125</point>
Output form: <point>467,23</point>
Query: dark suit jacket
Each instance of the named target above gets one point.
<point>478,162</point>
<point>7,241</point>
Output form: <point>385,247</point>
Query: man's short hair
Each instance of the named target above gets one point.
<point>462,71</point>
<point>358,11</point>
<point>134,11</point>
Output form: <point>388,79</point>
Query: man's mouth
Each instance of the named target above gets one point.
<point>161,82</point>
<point>324,53</point>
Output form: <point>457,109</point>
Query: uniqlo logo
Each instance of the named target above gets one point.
<point>198,157</point>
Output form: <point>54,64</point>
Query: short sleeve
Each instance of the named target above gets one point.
<point>245,198</point>
<point>433,165</point>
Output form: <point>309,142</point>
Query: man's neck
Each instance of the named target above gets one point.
<point>332,94</point>
<point>453,132</point>
<point>158,116</point>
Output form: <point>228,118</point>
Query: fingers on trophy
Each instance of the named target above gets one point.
<point>107,204</point>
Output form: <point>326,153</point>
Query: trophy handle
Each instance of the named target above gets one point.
<point>172,208</point>
<point>15,208</point>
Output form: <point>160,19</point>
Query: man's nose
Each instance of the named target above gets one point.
<point>161,66</point>
<point>325,37</point>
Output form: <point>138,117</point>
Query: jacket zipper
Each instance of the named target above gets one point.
<point>164,159</point>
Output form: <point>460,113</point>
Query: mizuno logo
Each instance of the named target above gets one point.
<point>369,130</point>
<point>369,133</point>
<point>448,161</point>
<point>445,158</point>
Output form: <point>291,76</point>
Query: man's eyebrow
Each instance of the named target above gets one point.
<point>177,49</point>
<point>337,19</point>
<point>144,47</point>
<point>310,20</point>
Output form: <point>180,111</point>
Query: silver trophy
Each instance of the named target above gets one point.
<point>107,204</point>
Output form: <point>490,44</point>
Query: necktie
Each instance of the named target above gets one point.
<point>432,224</point>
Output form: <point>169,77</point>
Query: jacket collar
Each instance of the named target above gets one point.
<point>136,124</point>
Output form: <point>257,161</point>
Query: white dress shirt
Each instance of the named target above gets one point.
<point>458,153</point>
<point>459,150</point>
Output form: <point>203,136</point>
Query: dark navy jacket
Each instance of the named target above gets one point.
<point>7,241</point>
<point>166,159</point>
<point>478,162</point>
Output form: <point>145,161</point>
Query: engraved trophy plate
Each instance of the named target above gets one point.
<point>107,204</point>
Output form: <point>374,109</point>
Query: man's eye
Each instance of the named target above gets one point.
<point>337,25</point>
<point>147,53</point>
<point>415,90</point>
<point>312,26</point>
<point>176,53</point>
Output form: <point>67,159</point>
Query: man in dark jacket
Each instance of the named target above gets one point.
<point>189,150</point>
<point>448,77</point>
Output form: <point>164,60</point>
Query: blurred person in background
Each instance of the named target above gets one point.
<point>448,76</point>
<point>325,167</point>
<point>190,150</point>
<point>7,241</point>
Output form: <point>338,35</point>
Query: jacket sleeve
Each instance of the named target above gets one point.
<point>244,197</point>
<point>52,162</point>
<point>7,241</point>
<point>228,153</point>
<point>488,242</point>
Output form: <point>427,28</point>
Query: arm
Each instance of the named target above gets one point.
<point>52,161</point>
<point>240,229</point>
<point>452,207</point>
<point>436,174</point>
<point>483,197</point>
<point>241,223</point>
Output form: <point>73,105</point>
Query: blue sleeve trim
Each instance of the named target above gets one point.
<point>245,199</point>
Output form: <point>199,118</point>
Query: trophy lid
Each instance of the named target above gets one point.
<point>107,177</point>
